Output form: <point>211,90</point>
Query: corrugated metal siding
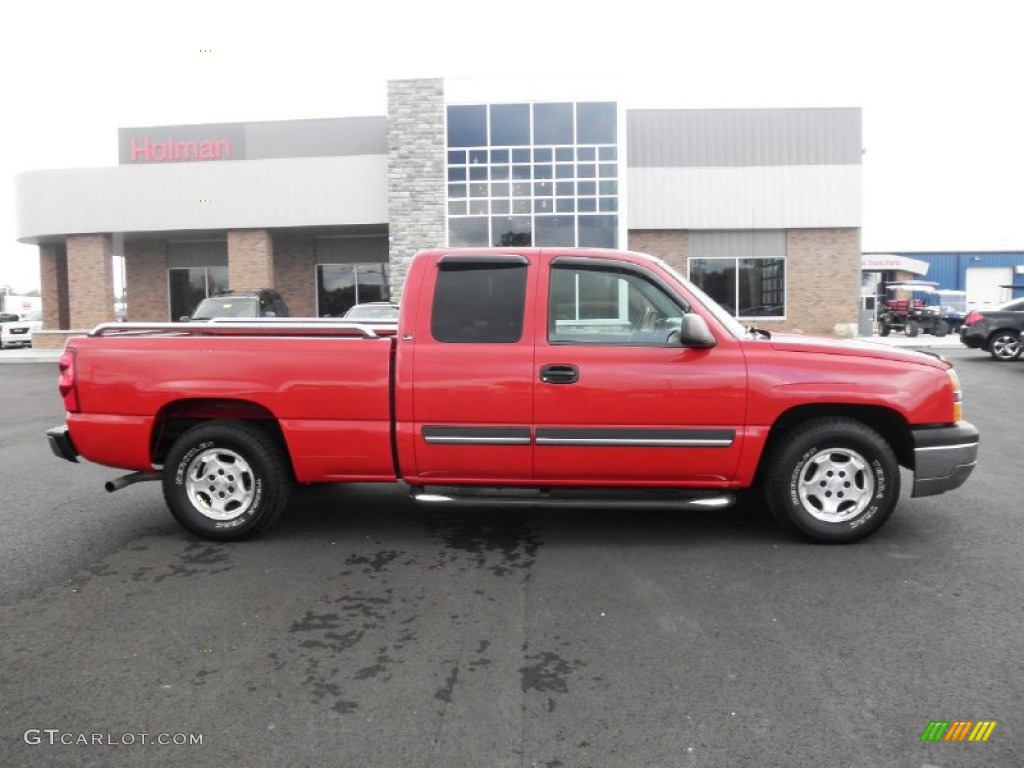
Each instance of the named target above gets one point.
<point>743,137</point>
<point>333,137</point>
<point>779,197</point>
<point>729,244</point>
<point>296,192</point>
<point>949,268</point>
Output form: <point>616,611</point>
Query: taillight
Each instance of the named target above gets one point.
<point>973,317</point>
<point>66,380</point>
<point>958,395</point>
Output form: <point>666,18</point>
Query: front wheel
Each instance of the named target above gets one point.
<point>226,480</point>
<point>833,481</point>
<point>912,328</point>
<point>941,329</point>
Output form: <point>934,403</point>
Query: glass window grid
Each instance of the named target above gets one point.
<point>540,187</point>
<point>591,168</point>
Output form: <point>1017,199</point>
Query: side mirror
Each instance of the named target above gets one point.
<point>184,319</point>
<point>693,333</point>
<point>270,314</point>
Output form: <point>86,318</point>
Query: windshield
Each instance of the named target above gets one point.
<point>734,326</point>
<point>955,300</point>
<point>227,306</point>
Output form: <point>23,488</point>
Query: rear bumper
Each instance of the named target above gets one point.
<point>61,445</point>
<point>944,458</point>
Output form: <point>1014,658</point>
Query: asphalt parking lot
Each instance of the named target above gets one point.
<point>366,631</point>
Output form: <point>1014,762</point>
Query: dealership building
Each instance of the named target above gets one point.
<point>760,207</point>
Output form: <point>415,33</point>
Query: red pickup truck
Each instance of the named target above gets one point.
<point>530,376</point>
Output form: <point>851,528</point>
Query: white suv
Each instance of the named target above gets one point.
<point>19,333</point>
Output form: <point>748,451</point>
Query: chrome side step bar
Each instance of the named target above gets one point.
<point>590,499</point>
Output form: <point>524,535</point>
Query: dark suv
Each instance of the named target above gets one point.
<point>266,302</point>
<point>997,331</point>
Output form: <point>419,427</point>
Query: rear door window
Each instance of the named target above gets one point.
<point>479,301</point>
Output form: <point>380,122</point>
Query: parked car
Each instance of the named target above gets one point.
<point>953,306</point>
<point>997,331</point>
<point>374,310</point>
<point>18,333</point>
<point>265,302</point>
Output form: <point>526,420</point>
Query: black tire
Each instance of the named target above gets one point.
<point>912,328</point>
<point>833,481</point>
<point>1004,346</point>
<point>883,328</point>
<point>941,329</point>
<point>246,485</point>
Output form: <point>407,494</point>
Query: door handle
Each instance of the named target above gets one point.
<point>559,374</point>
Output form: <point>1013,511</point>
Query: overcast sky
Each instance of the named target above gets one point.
<point>940,83</point>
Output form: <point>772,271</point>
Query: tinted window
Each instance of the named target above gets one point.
<point>467,126</point>
<point>479,303</point>
<point>595,123</point>
<point>510,125</point>
<point>552,124</point>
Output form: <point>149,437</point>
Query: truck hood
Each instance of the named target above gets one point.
<point>794,342</point>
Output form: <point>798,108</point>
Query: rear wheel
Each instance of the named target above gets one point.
<point>833,481</point>
<point>1004,346</point>
<point>226,480</point>
<point>883,328</point>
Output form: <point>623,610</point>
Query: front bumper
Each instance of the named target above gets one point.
<point>61,445</point>
<point>944,457</point>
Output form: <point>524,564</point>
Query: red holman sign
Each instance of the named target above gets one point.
<point>171,150</point>
<point>181,144</point>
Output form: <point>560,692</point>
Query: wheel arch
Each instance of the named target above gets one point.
<point>177,417</point>
<point>893,428</point>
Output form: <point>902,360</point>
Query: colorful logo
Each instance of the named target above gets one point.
<point>959,730</point>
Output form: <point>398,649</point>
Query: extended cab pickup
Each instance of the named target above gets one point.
<point>533,376</point>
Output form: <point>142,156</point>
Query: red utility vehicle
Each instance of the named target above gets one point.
<point>537,376</point>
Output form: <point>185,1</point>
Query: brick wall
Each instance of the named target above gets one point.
<point>90,280</point>
<point>53,281</point>
<point>416,173</point>
<point>670,245</point>
<point>145,266</point>
<point>250,259</point>
<point>822,275</point>
<point>822,279</point>
<point>295,273</point>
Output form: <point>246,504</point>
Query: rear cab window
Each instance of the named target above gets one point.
<point>479,300</point>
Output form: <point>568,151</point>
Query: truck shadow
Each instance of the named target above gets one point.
<point>387,512</point>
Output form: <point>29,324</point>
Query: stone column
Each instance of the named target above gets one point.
<point>90,280</point>
<point>417,197</point>
<point>250,259</point>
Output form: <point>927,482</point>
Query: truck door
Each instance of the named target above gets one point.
<point>472,371</point>
<point>617,400</point>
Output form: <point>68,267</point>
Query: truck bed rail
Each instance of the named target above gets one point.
<point>281,326</point>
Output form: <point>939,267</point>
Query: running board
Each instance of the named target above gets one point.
<point>590,499</point>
